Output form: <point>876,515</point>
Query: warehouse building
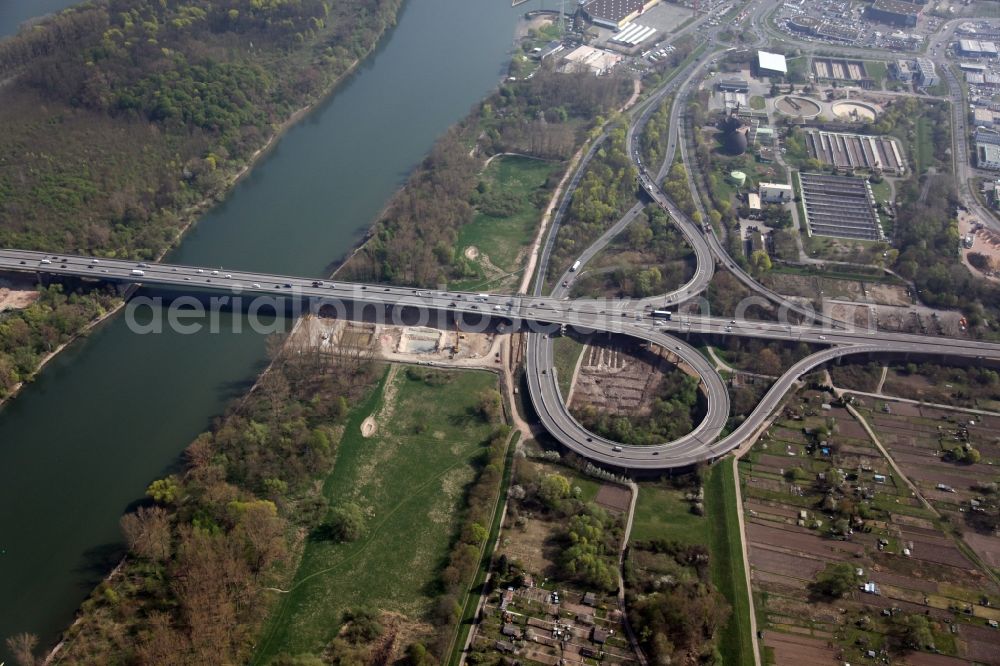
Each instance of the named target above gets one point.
<point>771,64</point>
<point>775,192</point>
<point>615,14</point>
<point>894,12</point>
<point>975,48</point>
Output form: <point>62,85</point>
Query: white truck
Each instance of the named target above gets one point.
<point>138,273</point>
<point>482,298</point>
<point>575,266</point>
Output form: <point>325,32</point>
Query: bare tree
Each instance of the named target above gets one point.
<point>147,532</point>
<point>23,648</point>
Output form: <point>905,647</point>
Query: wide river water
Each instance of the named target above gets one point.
<point>113,413</point>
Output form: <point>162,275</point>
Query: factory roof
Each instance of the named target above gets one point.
<point>774,62</point>
<point>614,10</point>
<point>977,46</point>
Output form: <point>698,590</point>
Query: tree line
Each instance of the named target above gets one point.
<point>213,537</point>
<point>28,335</point>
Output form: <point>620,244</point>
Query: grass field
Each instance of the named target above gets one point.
<point>726,562</point>
<point>504,239</point>
<point>567,351</point>
<point>757,103</point>
<point>409,478</point>
<point>662,512</point>
<point>877,70</point>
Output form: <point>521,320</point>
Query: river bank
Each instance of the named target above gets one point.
<point>108,416</point>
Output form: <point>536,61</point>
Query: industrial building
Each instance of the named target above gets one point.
<point>839,206</point>
<point>926,72</point>
<point>894,12</point>
<point>855,151</point>
<point>977,49</point>
<point>806,24</point>
<point>734,85</point>
<point>775,192</point>
<point>615,14</point>
<point>987,137</point>
<point>982,117</point>
<point>771,64</point>
<point>588,58</point>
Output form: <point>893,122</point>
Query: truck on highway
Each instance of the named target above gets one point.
<point>663,314</point>
<point>138,273</point>
<point>482,298</point>
<point>575,266</point>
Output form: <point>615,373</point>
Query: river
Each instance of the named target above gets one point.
<point>111,414</point>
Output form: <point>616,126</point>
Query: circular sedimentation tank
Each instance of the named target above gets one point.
<point>858,111</point>
<point>792,105</point>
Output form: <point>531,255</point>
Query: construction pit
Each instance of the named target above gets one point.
<point>403,344</point>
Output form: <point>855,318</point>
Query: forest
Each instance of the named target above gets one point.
<point>413,242</point>
<point>606,191</point>
<point>672,603</point>
<point>126,114</point>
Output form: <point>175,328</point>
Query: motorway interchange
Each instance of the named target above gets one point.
<point>543,316</point>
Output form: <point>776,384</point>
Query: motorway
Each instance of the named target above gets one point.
<point>542,316</point>
<point>707,249</point>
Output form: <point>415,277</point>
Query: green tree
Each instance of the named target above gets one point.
<point>760,260</point>
<point>164,491</point>
<point>910,632</point>
<point>553,488</point>
<point>834,581</point>
<point>348,522</point>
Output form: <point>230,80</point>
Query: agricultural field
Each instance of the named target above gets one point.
<point>932,448</point>
<point>513,191</point>
<point>633,394</point>
<point>848,563</point>
<point>408,479</point>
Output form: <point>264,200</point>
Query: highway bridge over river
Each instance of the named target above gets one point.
<point>543,316</point>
